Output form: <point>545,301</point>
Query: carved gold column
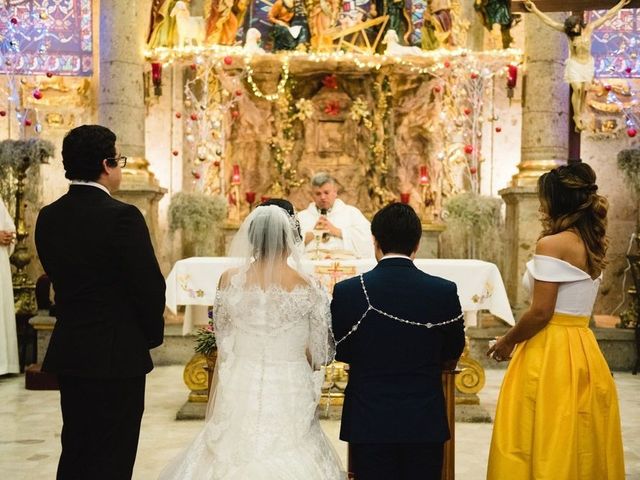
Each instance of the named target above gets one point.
<point>545,102</point>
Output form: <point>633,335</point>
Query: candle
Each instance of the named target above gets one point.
<point>424,175</point>
<point>404,197</point>
<point>235,175</point>
<point>250,197</point>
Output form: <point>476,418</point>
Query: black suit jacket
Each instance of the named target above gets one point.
<point>109,291</point>
<point>395,391</point>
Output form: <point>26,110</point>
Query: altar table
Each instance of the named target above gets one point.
<point>192,282</point>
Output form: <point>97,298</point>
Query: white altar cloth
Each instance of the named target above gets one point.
<point>193,282</point>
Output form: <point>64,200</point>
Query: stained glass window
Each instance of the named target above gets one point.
<point>47,36</point>
<point>616,45</point>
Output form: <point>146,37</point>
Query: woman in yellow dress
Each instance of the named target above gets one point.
<point>557,416</point>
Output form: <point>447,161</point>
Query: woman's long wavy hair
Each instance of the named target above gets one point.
<point>569,199</point>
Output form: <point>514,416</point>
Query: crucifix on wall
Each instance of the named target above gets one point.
<point>579,67</point>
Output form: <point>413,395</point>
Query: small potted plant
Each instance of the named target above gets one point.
<point>206,346</point>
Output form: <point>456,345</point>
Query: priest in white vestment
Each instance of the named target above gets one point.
<point>9,362</point>
<point>330,227</point>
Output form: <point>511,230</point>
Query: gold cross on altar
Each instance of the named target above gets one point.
<point>336,271</point>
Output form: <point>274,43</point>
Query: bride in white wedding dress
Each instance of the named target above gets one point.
<point>272,327</point>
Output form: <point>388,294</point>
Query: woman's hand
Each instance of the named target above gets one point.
<point>501,350</point>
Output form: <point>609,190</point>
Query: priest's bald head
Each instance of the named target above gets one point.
<point>324,190</point>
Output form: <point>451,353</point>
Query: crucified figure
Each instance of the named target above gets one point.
<point>579,67</point>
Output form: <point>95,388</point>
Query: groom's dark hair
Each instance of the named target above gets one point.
<point>397,229</point>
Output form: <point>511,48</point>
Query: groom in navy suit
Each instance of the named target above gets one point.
<point>397,328</point>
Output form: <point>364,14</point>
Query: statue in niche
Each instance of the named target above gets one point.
<point>399,19</point>
<point>290,27</point>
<point>498,19</point>
<point>223,18</point>
<point>580,66</point>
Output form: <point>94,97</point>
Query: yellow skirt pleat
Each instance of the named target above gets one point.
<point>557,416</point>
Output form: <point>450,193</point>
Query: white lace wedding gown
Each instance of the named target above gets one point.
<point>261,422</point>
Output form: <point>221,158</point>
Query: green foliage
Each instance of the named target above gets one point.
<point>629,164</point>
<point>200,217</point>
<point>18,156</point>
<point>206,340</point>
<point>474,228</point>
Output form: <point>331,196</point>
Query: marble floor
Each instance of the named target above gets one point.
<point>30,428</point>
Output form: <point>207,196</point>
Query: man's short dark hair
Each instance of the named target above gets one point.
<point>397,229</point>
<point>83,150</point>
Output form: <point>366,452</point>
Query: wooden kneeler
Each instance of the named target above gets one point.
<point>448,464</point>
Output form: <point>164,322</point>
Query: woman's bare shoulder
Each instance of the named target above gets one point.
<point>566,245</point>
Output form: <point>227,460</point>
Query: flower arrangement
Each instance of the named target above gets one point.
<point>16,157</point>
<point>629,164</point>
<point>206,339</point>
<point>200,217</point>
<point>474,227</point>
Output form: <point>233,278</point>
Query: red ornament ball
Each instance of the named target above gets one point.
<point>238,93</point>
<point>193,66</point>
<point>216,163</point>
<point>228,60</point>
<point>447,64</point>
<point>175,153</point>
<point>468,149</point>
<point>37,94</point>
<point>14,20</point>
<point>632,132</point>
<point>235,113</point>
<point>467,111</point>
<point>607,87</point>
<point>27,123</point>
<point>474,75</point>
<point>3,113</point>
<point>498,129</point>
<point>628,70</point>
<point>437,89</point>
<point>473,170</point>
<point>194,117</point>
<point>195,174</point>
<point>178,115</point>
<point>49,74</point>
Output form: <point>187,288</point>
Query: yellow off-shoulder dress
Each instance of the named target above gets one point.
<point>557,416</point>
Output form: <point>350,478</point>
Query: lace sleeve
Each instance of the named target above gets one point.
<point>321,345</point>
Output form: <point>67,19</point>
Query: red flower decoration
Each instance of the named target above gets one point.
<point>330,81</point>
<point>332,108</point>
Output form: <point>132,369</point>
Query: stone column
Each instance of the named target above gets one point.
<point>545,145</point>
<point>123,29</point>
<point>545,101</point>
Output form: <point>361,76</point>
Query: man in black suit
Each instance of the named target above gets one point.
<point>397,328</point>
<point>109,294</point>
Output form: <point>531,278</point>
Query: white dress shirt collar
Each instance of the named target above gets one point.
<point>91,184</point>
<point>395,255</point>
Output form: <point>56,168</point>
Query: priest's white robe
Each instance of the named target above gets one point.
<point>356,229</point>
<point>9,362</point>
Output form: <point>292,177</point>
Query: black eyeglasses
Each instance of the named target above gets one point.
<point>120,160</point>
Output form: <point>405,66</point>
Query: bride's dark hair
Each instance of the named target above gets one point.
<point>569,199</point>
